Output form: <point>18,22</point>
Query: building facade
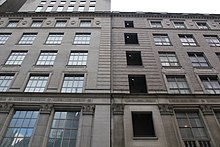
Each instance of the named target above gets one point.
<point>74,74</point>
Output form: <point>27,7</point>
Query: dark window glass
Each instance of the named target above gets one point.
<point>129,24</point>
<point>131,38</point>
<point>137,84</point>
<point>133,58</point>
<point>211,84</point>
<point>198,60</point>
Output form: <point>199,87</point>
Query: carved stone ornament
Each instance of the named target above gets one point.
<point>46,108</point>
<point>97,22</point>
<point>88,109</point>
<point>5,107</point>
<point>166,109</point>
<point>206,109</point>
<point>118,109</point>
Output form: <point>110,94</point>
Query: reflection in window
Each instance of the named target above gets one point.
<point>78,58</point>
<point>211,84</point>
<point>16,58</point>
<point>4,37</point>
<point>168,59</point>
<point>20,129</point>
<point>212,40</point>
<point>73,84</point>
<point>36,23</point>
<point>27,38</point>
<point>54,38</point>
<point>85,23</point>
<point>36,83</point>
<point>82,38</point>
<point>13,23</point>
<point>47,58</point>
<point>178,84</point>
<point>63,132</point>
<point>198,60</point>
<point>5,81</point>
<point>161,39</point>
<point>187,40</point>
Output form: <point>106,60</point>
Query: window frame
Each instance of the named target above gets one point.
<point>190,41</point>
<point>27,38</point>
<point>212,40</point>
<point>210,87</point>
<point>51,62</point>
<point>12,23</point>
<point>197,56</point>
<point>4,38</point>
<point>156,24</point>
<point>129,24</point>
<point>78,38</point>
<point>37,22</point>
<point>171,63</point>
<point>6,86</point>
<point>131,39</point>
<point>202,25</point>
<point>130,61</point>
<point>61,23</point>
<point>178,26</point>
<point>161,40</point>
<point>16,57</point>
<point>54,38</point>
<point>85,55</point>
<point>138,78</point>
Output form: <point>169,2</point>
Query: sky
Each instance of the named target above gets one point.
<point>170,6</point>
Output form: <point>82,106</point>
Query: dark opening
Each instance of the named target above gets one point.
<point>143,124</point>
<point>137,84</point>
<point>133,58</point>
<point>129,24</point>
<point>131,38</point>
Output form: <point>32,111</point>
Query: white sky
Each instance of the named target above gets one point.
<point>172,6</point>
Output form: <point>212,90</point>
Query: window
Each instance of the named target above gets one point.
<point>60,8</point>
<point>143,124</point>
<point>47,58</point>
<point>156,24</point>
<point>53,2</point>
<point>211,84</point>
<point>36,83</point>
<point>131,38</point>
<point>129,24</point>
<point>4,37</point>
<point>60,23</point>
<point>85,23</point>
<point>49,9</point>
<point>91,8</point>
<point>16,58</point>
<point>20,129</point>
<point>63,132</point>
<point>133,58</point>
<point>92,2</point>
<point>13,23</point>
<point>70,9</point>
<point>54,38</point>
<point>73,84</point>
<point>217,115</point>
<point>212,40</point>
<point>179,25</point>
<point>187,40</point>
<point>78,58</point>
<point>39,9</point>
<point>27,38</point>
<point>202,25</point>
<point>82,2</point>
<point>168,59</point>
<point>82,38</point>
<point>5,81</point>
<point>137,84</point>
<point>43,2</point>
<point>218,54</point>
<point>72,2</point>
<point>198,60</point>
<point>81,8</point>
<point>192,129</point>
<point>178,85</point>
<point>161,39</point>
<point>37,23</point>
<point>63,2</point>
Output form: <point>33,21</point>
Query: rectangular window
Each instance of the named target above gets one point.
<point>129,24</point>
<point>202,25</point>
<point>156,24</point>
<point>217,115</point>
<point>212,40</point>
<point>39,9</point>
<point>62,2</point>
<point>70,9</point>
<point>60,23</point>
<point>143,124</point>
<point>16,58</point>
<point>5,81</point>
<point>187,40</point>
<point>49,9</point>
<point>161,39</point>
<point>4,37</point>
<point>211,84</point>
<point>36,83</point>
<point>20,129</point>
<point>192,129</point>
<point>13,23</point>
<point>82,38</point>
<point>81,8</point>
<point>131,38</point>
<point>42,2</point>
<point>60,8</point>
<point>85,23</point>
<point>178,85</point>
<point>53,2</point>
<point>92,2</point>
<point>47,58</point>
<point>27,38</point>
<point>55,38</point>
<point>37,23</point>
<point>73,84</point>
<point>133,58</point>
<point>198,60</point>
<point>168,59</point>
<point>179,25</point>
<point>63,132</point>
<point>82,2</point>
<point>137,84</point>
<point>91,8</point>
<point>72,2</point>
<point>78,58</point>
<point>218,54</point>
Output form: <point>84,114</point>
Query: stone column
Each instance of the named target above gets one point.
<point>86,127</point>
<point>118,125</point>
<point>168,119</point>
<point>41,126</point>
<point>212,124</point>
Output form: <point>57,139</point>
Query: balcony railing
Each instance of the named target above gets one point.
<point>197,143</point>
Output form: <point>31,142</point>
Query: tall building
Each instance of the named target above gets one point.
<point>74,74</point>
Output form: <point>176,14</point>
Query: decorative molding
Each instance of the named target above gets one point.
<point>166,109</point>
<point>88,109</point>
<point>206,109</point>
<point>46,108</point>
<point>118,109</point>
<point>5,107</point>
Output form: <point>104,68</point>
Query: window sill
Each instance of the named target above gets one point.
<point>145,138</point>
<point>76,66</point>
<point>172,67</point>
